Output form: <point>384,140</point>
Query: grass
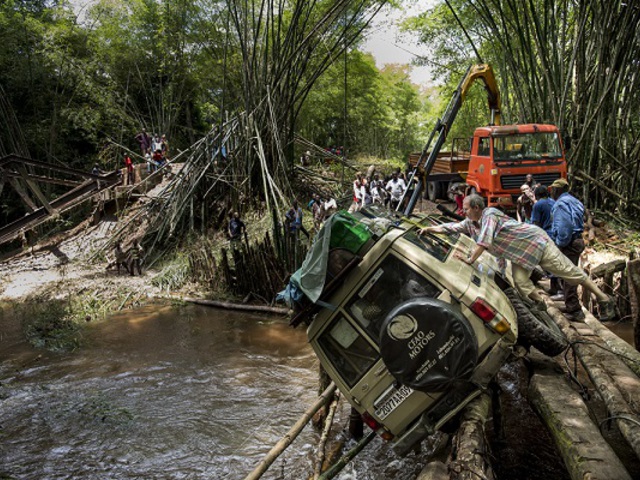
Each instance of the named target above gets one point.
<point>175,272</point>
<point>57,324</point>
<point>50,324</point>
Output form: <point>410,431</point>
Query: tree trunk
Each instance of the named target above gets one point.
<point>471,451</point>
<point>585,452</point>
<point>618,387</point>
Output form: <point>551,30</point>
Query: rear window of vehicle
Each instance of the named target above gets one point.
<point>347,350</point>
<point>392,283</point>
<point>434,245</point>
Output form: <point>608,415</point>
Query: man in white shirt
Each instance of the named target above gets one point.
<point>396,188</point>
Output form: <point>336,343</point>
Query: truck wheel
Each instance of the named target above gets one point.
<point>536,328</point>
<point>434,190</point>
<point>428,346</point>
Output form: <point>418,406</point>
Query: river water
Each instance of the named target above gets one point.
<point>167,393</point>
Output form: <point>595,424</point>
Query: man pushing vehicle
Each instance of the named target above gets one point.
<point>525,245</point>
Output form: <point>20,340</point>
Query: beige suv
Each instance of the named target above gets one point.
<point>409,333</point>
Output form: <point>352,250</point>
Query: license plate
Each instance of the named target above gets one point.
<point>396,398</point>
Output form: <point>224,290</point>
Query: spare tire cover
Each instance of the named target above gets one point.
<point>427,345</point>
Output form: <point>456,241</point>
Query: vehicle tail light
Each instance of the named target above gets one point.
<point>492,319</point>
<point>376,427</point>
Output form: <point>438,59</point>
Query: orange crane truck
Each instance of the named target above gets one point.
<point>495,162</point>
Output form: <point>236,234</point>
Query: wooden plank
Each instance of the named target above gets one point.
<point>31,206</point>
<point>585,452</point>
<point>35,189</point>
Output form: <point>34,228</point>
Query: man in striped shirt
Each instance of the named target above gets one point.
<point>525,245</point>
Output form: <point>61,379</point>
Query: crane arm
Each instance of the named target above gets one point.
<point>483,72</point>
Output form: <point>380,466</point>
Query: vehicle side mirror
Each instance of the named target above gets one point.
<point>567,143</point>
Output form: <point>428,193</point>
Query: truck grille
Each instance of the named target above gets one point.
<point>514,182</point>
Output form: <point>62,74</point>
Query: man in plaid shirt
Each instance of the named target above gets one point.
<point>525,245</point>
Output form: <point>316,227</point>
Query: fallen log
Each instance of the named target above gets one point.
<point>285,441</point>
<point>604,368</point>
<point>585,452</point>
<point>608,268</point>
<point>470,449</point>
<point>235,306</point>
<point>629,355</point>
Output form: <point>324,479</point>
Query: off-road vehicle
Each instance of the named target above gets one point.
<point>408,332</point>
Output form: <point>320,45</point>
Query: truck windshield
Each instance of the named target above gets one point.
<point>527,146</point>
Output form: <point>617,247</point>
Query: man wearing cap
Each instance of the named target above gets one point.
<point>525,245</point>
<point>566,232</point>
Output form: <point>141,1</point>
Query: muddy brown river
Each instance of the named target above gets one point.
<point>167,393</point>
<point>197,393</point>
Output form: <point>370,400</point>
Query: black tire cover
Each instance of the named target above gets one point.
<point>427,345</point>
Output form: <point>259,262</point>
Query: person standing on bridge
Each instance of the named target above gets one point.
<point>131,177</point>
<point>525,245</point>
<point>566,232</point>
<point>144,140</point>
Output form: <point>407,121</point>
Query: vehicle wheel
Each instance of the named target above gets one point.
<point>428,346</point>
<point>536,328</point>
<point>434,190</point>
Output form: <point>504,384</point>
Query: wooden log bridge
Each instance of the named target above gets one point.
<point>84,186</point>
<point>585,452</point>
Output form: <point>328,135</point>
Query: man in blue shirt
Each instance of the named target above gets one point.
<point>541,213</point>
<point>566,232</point>
<point>541,216</point>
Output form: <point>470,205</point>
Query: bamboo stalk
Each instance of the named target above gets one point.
<point>325,436</point>
<point>283,443</point>
<point>235,306</point>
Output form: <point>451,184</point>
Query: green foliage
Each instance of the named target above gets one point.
<point>573,64</point>
<point>49,324</point>
<point>175,273</point>
<point>383,109</point>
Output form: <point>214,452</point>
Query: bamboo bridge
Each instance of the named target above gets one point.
<point>26,176</point>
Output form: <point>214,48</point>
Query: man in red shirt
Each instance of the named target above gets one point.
<point>130,173</point>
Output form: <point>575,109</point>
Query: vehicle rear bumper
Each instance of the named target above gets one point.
<point>432,420</point>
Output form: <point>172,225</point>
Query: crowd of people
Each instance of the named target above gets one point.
<point>375,188</point>
<point>153,148</point>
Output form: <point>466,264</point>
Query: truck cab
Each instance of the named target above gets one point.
<point>502,156</point>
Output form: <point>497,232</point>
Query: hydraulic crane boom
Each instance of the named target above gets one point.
<point>483,72</point>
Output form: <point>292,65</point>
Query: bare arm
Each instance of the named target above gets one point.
<point>474,256</point>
